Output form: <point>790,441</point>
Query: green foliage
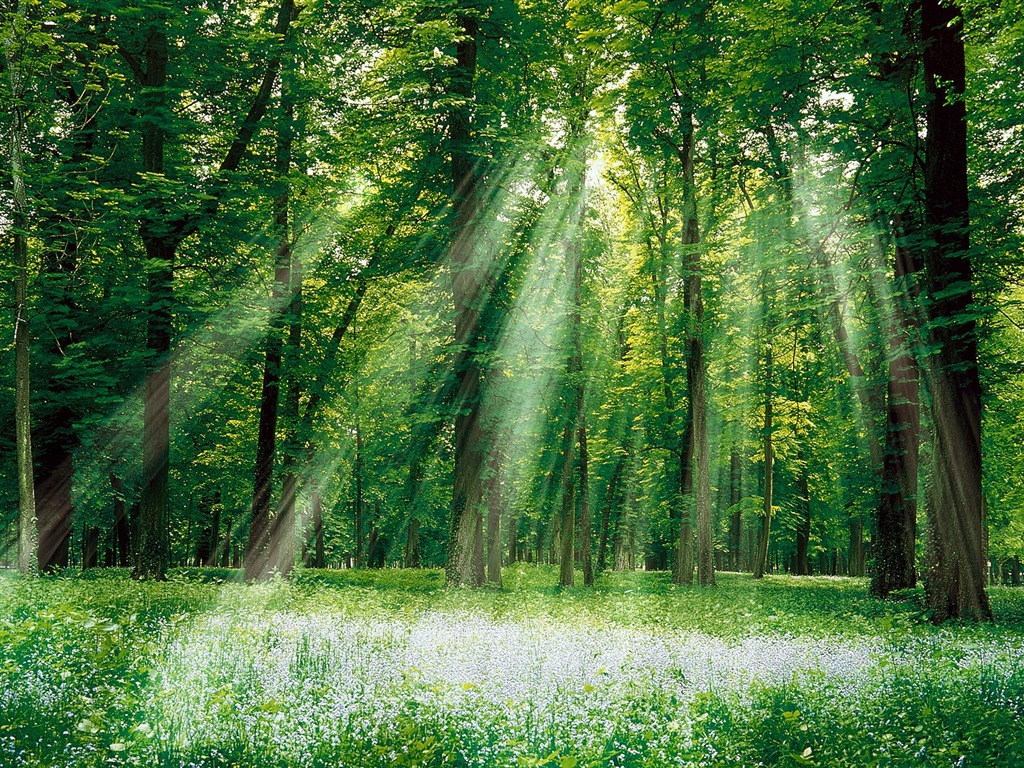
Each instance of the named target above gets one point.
<point>384,668</point>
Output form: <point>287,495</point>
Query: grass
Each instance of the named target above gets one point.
<point>390,668</point>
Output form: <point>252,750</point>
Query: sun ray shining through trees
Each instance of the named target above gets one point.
<point>561,383</point>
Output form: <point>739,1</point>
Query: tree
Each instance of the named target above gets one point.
<point>957,571</point>
<point>18,72</point>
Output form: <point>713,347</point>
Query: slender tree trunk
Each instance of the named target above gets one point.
<point>803,530</point>
<point>606,512</point>
<point>358,516</point>
<point>257,555</point>
<point>413,558</point>
<point>513,539</point>
<point>957,568</point>
<point>494,504</point>
<point>567,519</point>
<point>27,543</point>
<point>761,555</point>
<point>735,497</point>
<point>585,522</point>
<point>897,510</point>
<point>122,537</point>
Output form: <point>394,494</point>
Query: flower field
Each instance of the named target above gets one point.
<point>392,669</point>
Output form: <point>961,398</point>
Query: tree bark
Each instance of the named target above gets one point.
<point>735,497</point>
<point>896,534</point>
<point>494,508</point>
<point>161,236</point>
<point>468,291</point>
<point>567,519</point>
<point>761,555</point>
<point>28,561</point>
<point>957,569</point>
<point>357,558</point>
<point>803,531</point>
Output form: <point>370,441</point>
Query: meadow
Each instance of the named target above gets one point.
<point>391,668</point>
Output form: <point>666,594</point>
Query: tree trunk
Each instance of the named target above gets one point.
<point>696,370</point>
<point>567,519</point>
<point>413,558</point>
<point>957,569</point>
<point>28,561</point>
<point>803,530</point>
<point>513,539</point>
<point>735,497</point>
<point>357,558</point>
<point>153,552</point>
<point>585,523</point>
<point>494,503</point>
<point>122,536</point>
<point>468,291</point>
<point>896,534</point>
<point>761,555</point>
<point>90,546</point>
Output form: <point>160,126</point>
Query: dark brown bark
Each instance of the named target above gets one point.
<point>696,369</point>
<point>121,534</point>
<point>896,530</point>
<point>153,552</point>
<point>54,506</point>
<point>494,509</point>
<point>737,559</point>
<point>357,521</point>
<point>161,236</point>
<point>272,540</point>
<point>90,546</point>
<point>567,518</point>
<point>468,293</point>
<point>957,569</point>
<point>761,554</point>
<point>585,522</point>
<point>413,558</point>
<point>610,499</point>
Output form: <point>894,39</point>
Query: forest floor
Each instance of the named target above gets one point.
<point>390,668</point>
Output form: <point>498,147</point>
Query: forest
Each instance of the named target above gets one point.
<point>645,332</point>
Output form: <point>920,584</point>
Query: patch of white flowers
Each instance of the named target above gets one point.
<point>302,680</point>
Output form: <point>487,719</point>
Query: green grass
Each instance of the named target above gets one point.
<point>391,668</point>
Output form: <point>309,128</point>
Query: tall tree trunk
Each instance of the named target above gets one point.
<point>761,555</point>
<point>579,474</point>
<point>264,550</point>
<point>257,555</point>
<point>957,568</point>
<point>696,375</point>
<point>284,529</point>
<point>161,235</point>
<point>357,559</point>
<point>14,55</point>
<point>896,534</point>
<point>153,552</point>
<point>468,291</point>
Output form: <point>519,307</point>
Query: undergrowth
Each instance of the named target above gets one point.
<point>392,668</point>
